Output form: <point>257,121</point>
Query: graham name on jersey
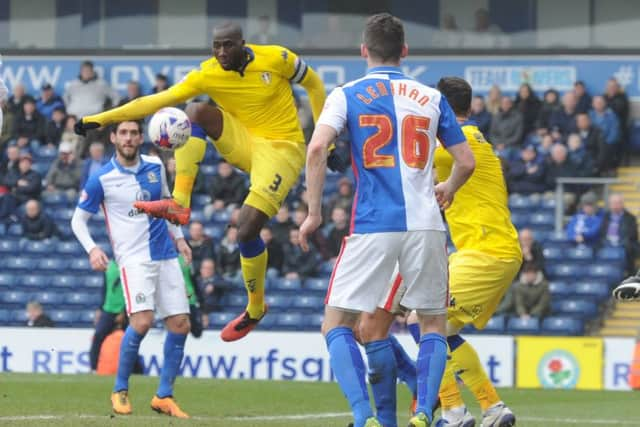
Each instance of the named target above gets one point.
<point>397,88</point>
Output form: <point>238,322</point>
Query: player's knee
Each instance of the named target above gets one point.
<point>141,322</point>
<point>179,324</point>
<point>206,116</point>
<point>250,223</point>
<point>369,330</point>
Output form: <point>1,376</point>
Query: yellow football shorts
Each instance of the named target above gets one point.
<point>477,283</point>
<point>273,166</point>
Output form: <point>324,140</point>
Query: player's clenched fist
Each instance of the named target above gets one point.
<point>310,224</point>
<point>444,194</point>
<point>98,259</point>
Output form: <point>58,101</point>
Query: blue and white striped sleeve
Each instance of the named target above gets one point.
<point>92,195</point>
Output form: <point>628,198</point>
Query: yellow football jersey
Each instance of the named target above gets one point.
<point>260,97</point>
<point>479,217</point>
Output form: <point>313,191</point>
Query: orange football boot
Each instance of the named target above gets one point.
<point>168,406</point>
<point>241,326</point>
<point>168,209</point>
<point>120,402</point>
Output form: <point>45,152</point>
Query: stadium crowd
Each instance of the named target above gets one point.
<point>539,139</point>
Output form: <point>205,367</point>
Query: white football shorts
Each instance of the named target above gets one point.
<point>363,277</point>
<point>154,285</point>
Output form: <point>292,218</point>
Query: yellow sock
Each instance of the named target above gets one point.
<point>254,271</point>
<point>450,396</point>
<point>187,159</point>
<point>474,376</point>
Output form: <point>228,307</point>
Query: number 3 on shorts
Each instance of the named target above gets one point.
<point>276,183</point>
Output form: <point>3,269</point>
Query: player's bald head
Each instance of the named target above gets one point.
<point>227,30</point>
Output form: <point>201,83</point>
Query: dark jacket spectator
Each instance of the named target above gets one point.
<point>506,126</point>
<point>584,226</point>
<point>25,183</point>
<point>531,249</point>
<point>64,173</point>
<point>527,174</point>
<point>620,228</point>
<point>338,230</point>
<point>162,83</point>
<point>212,286</point>
<point>342,199</point>
<point>201,244</point>
<point>592,138</point>
<point>531,293</point>
<point>297,263</point>
<point>36,225</point>
<point>93,163</point>
<point>227,187</point>
<point>560,166</point>
<point>88,94</point>
<point>274,249</point>
<point>606,120</point>
<point>618,101</point>
<point>563,121</point>
<point>7,130</point>
<point>228,259</point>
<point>583,98</point>
<point>10,164</point>
<point>30,123</point>
<point>133,92</point>
<point>36,317</point>
<point>579,157</point>
<point>55,127</point>
<point>48,101</point>
<point>528,103</point>
<point>550,105</point>
<point>17,98</point>
<point>480,115</point>
<point>281,225</point>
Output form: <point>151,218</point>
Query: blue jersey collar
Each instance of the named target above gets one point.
<point>122,169</point>
<point>385,70</point>
<point>468,123</point>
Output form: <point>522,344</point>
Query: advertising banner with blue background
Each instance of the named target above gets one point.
<point>557,72</point>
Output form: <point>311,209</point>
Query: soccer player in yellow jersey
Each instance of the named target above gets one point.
<point>255,127</point>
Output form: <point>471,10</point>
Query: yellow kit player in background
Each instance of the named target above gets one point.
<point>255,128</point>
<point>487,260</point>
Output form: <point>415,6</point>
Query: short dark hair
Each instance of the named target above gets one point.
<point>458,93</point>
<point>384,37</point>
<point>114,127</point>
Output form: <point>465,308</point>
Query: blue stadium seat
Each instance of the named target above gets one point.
<point>219,320</point>
<point>93,281</point>
<point>289,321</point>
<point>235,300</point>
<point>65,281</point>
<point>38,247</point>
<point>611,253</point>
<point>14,297</point>
<point>208,170</point>
<point>80,264</point>
<point>42,167</point>
<point>7,280</point>
<point>582,254</point>
<point>518,201</point>
<point>83,299</point>
<point>597,290</point>
<point>63,317</point>
<point>553,254</point>
<point>520,220</point>
<point>292,285</point>
<point>313,321</point>
<point>69,248</point>
<point>215,231</point>
<point>86,317</point>
<point>542,221</point>
<point>200,200</point>
<point>222,217</point>
<point>606,272</point>
<point>11,247</point>
<point>3,229</point>
<point>19,263</point>
<point>15,230</point>
<point>575,307</point>
<point>558,240</point>
<point>560,288</point>
<point>495,325</point>
<point>53,264</point>
<point>46,153</point>
<point>277,300</point>
<point>561,325</point>
<point>40,281</point>
<point>197,215</point>
<point>569,271</point>
<point>520,326</point>
<point>47,298</point>
<point>548,203</point>
<point>309,303</point>
<point>63,214</point>
<point>18,317</point>
<point>319,285</point>
<point>54,199</point>
<point>5,317</point>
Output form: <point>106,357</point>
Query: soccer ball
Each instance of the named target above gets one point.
<point>169,128</point>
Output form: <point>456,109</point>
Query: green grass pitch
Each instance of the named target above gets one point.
<point>83,400</point>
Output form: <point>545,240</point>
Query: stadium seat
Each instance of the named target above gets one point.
<point>495,325</point>
<point>558,240</point>
<point>37,281</point>
<point>215,231</point>
<point>197,215</point>
<point>18,317</point>
<point>19,263</point>
<point>47,298</point>
<point>11,247</point>
<point>308,303</point>
<point>83,299</point>
<point>86,317</point>
<point>314,321</point>
<point>569,271</point>
<point>46,152</point>
<point>3,229</point>
<point>14,297</point>
<point>277,301</point>
<point>15,230</point>
<point>520,220</point>
<point>289,321</point>
<point>597,290</point>
<point>581,254</point>
<point>219,320</point>
<point>63,317</point>
<point>553,254</point>
<point>38,247</point>
<point>316,285</point>
<point>53,264</point>
<point>560,288</point>
<point>606,272</point>
<point>65,281</point>
<point>548,203</point>
<point>542,221</point>
<point>200,200</point>
<point>520,326</point>
<point>209,170</point>
<point>292,285</point>
<point>69,248</point>
<point>80,264</point>
<point>5,317</point>
<point>7,280</point>
<point>575,307</point>
<point>235,300</point>
<point>611,253</point>
<point>54,199</point>
<point>561,325</point>
<point>63,214</point>
<point>523,202</point>
<point>93,281</point>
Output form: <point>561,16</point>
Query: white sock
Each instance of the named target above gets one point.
<point>454,415</point>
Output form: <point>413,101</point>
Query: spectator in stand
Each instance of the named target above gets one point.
<point>9,165</point>
<point>545,146</point>
<point>563,121</point>
<point>606,120</point>
<point>528,103</point>
<point>133,92</point>
<point>16,100</point>
<point>55,127</point>
<point>618,101</point>
<point>64,173</point>
<point>228,187</point>
<point>30,124</point>
<point>592,138</point>
<point>494,98</point>
<point>36,316</point>
<point>620,228</point>
<point>343,198</point>
<point>36,225</point>
<point>531,294</point>
<point>282,225</point>
<point>550,106</point>
<point>228,259</point>
<point>274,249</point>
<point>8,124</point>
<point>25,183</point>
<point>88,94</point>
<point>297,263</point>
<point>338,230</point>
<point>560,166</point>
<point>583,98</point>
<point>480,115</point>
<point>527,174</point>
<point>94,162</point>
<point>584,226</point>
<point>162,83</point>
<point>77,141</point>
<point>318,238</point>
<point>579,156</point>
<point>48,101</point>
<point>506,128</point>
<point>531,249</point>
<point>212,286</point>
<point>201,244</point>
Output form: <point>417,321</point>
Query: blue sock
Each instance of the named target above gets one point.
<point>414,330</point>
<point>406,366</point>
<point>128,357</point>
<point>348,367</point>
<point>383,376</point>
<point>432,358</point>
<point>173,352</point>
